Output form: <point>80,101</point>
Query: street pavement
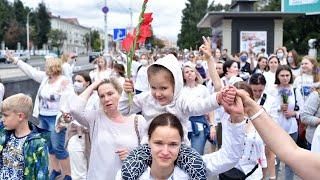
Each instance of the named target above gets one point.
<point>10,71</point>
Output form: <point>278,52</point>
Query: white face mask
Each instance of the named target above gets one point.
<point>143,62</point>
<point>290,59</point>
<point>78,87</point>
<point>199,62</point>
<point>280,55</point>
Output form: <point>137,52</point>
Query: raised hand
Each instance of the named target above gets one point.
<point>10,57</point>
<point>128,86</point>
<point>206,47</point>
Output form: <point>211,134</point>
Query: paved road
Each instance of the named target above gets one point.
<point>10,71</point>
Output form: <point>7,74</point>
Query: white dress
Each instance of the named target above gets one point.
<point>106,137</point>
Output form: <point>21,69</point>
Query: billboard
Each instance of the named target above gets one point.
<point>253,40</point>
<point>301,6</point>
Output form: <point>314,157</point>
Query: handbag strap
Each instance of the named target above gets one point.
<point>252,171</point>
<point>136,128</point>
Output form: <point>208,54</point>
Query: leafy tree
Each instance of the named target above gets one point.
<point>95,40</point>
<point>86,40</point>
<point>20,12</point>
<point>297,31</point>
<point>274,5</point>
<point>57,38</point>
<point>6,14</point>
<point>42,25</point>
<point>219,7</point>
<point>190,35</point>
<point>14,34</point>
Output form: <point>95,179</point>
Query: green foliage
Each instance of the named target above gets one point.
<point>6,15</point>
<point>190,36</point>
<point>95,40</point>
<point>297,31</point>
<point>274,5</point>
<point>42,25</point>
<point>14,34</point>
<point>219,7</point>
<point>57,38</point>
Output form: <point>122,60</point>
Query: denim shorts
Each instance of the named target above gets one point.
<point>57,140</point>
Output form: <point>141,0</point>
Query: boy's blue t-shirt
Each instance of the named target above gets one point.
<point>13,158</point>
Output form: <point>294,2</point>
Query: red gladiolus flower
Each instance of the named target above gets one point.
<point>145,1</point>
<point>145,31</point>
<point>147,18</point>
<point>127,42</point>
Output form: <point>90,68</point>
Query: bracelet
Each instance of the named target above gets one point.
<point>257,114</point>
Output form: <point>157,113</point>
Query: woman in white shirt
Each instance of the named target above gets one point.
<point>253,158</point>
<point>102,71</point>
<point>68,63</point>
<point>112,135</point>
<point>165,138</point>
<point>289,104</point>
<point>309,75</point>
<point>230,73</point>
<point>141,80</point>
<point>258,83</point>
<point>198,126</point>
<point>54,87</point>
<point>273,63</point>
<point>293,62</point>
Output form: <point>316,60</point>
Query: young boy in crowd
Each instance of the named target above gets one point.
<point>23,147</point>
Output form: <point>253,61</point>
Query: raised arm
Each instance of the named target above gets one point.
<point>30,71</point>
<point>305,163</point>
<point>206,49</point>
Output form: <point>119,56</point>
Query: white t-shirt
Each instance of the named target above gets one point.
<point>142,83</point>
<point>95,74</point>
<point>315,147</point>
<point>50,95</point>
<point>270,78</point>
<point>106,137</point>
<point>199,91</point>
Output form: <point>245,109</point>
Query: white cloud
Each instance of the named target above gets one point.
<point>166,13</point>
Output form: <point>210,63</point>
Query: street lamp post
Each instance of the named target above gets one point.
<point>28,40</point>
<point>105,11</point>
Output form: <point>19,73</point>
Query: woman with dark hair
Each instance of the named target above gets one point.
<point>293,62</point>
<point>245,70</point>
<point>289,104</point>
<point>230,72</point>
<point>258,83</point>
<point>262,65</point>
<point>165,135</point>
<point>253,158</point>
<point>119,72</point>
<point>273,63</point>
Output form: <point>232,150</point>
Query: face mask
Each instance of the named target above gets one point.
<point>143,62</point>
<point>280,55</point>
<point>243,58</point>
<point>199,62</point>
<point>78,87</point>
<point>290,59</point>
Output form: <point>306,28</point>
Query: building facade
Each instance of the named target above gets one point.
<point>75,32</point>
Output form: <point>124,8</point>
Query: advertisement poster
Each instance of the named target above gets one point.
<point>254,40</point>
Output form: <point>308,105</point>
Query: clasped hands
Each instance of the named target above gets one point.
<point>232,100</point>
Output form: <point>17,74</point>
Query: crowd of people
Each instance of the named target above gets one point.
<point>252,109</point>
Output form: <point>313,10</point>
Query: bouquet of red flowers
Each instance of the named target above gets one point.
<point>139,36</point>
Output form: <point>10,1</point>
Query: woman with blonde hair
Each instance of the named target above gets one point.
<point>68,62</point>
<point>309,75</point>
<point>199,127</point>
<point>102,71</point>
<point>53,88</point>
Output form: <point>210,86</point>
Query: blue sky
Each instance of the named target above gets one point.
<point>167,13</point>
